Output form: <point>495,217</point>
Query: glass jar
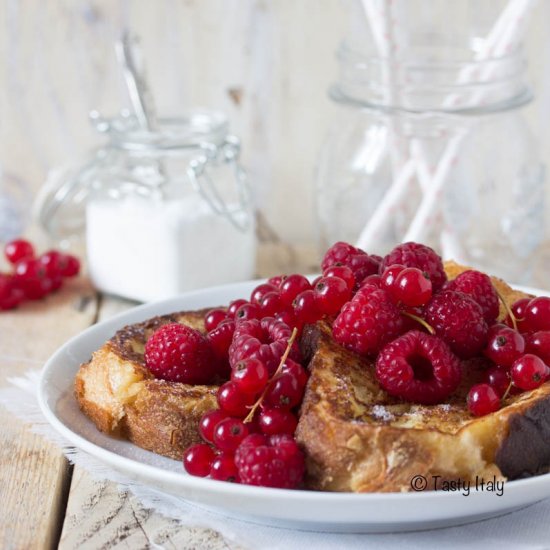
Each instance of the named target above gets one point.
<point>162,212</point>
<point>431,145</point>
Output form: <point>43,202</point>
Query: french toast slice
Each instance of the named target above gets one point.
<point>123,398</point>
<point>358,438</point>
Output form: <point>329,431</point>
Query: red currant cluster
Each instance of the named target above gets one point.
<point>520,353</point>
<point>249,438</point>
<point>33,278</point>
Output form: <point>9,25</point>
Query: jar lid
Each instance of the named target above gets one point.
<point>61,202</point>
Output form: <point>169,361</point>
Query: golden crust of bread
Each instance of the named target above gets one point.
<point>121,396</point>
<point>373,442</point>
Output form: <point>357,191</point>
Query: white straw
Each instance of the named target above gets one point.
<point>391,199</point>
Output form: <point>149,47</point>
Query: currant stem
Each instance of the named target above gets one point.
<point>507,392</point>
<point>508,309</point>
<point>254,407</point>
<point>418,319</point>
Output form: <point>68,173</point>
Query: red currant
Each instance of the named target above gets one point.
<point>70,265</point>
<point>291,287</point>
<point>297,371</point>
<point>498,379</point>
<point>250,376</point>
<point>276,281</point>
<point>283,392</point>
<point>208,424</point>
<point>518,310</point>
<point>6,285</point>
<point>197,459</point>
<point>331,293</point>
<point>305,307</point>
<point>537,314</point>
<point>277,421</point>
<point>342,272</point>
<point>213,318</point>
<point>233,401</point>
<point>234,306</point>
<point>10,295</point>
<point>52,262</point>
<point>411,287</point>
<point>229,433</point>
<point>483,399</point>
<point>18,250</point>
<point>30,277</point>
<point>248,311</point>
<point>30,268</point>
<point>529,372</point>
<point>504,346</point>
<point>271,304</point>
<point>260,291</point>
<point>289,319</point>
<point>390,274</point>
<point>538,344</point>
<point>224,469</point>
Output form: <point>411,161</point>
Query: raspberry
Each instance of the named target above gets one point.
<point>180,354</point>
<point>478,286</point>
<point>459,321</point>
<point>274,461</point>
<point>265,340</point>
<point>418,367</point>
<point>361,264</point>
<point>420,256</point>
<point>368,322</point>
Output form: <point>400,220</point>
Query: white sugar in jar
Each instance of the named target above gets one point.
<point>152,249</point>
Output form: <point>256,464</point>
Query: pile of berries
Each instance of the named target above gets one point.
<point>32,277</point>
<point>249,438</point>
<point>419,328</point>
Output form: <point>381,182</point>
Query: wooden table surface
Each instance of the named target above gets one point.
<point>46,502</point>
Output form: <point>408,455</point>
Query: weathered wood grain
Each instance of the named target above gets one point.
<point>34,475</point>
<point>99,516</point>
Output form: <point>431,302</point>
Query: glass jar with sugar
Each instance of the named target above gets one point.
<point>164,211</point>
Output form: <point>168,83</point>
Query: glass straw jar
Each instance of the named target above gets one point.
<point>431,143</point>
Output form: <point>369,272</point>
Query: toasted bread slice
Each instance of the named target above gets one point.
<point>122,397</point>
<point>358,438</point>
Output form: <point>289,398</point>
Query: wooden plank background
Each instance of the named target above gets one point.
<point>266,63</point>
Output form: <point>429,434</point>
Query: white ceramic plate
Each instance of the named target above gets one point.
<point>321,511</point>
